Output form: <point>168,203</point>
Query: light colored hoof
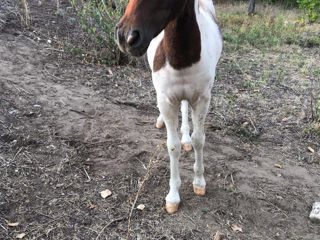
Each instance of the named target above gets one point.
<point>200,191</point>
<point>159,125</point>
<point>171,208</point>
<point>187,147</point>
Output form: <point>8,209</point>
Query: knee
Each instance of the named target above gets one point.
<point>198,139</point>
<point>174,147</point>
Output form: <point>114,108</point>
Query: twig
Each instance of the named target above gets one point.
<point>144,166</point>
<point>52,75</point>
<point>54,49</point>
<point>232,178</point>
<point>154,161</point>
<point>17,153</point>
<point>89,179</point>
<point>82,113</point>
<point>312,101</point>
<point>113,221</point>
<point>127,103</point>
<point>4,228</point>
<point>256,131</point>
<point>190,218</point>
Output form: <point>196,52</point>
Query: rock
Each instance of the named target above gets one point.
<point>315,213</point>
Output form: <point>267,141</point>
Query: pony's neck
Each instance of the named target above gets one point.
<point>182,41</point>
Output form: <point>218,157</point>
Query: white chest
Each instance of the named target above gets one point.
<point>194,81</point>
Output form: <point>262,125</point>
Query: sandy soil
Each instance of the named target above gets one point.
<point>69,129</point>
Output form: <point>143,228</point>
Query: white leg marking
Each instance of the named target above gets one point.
<point>185,129</point>
<point>170,117</point>
<point>199,113</point>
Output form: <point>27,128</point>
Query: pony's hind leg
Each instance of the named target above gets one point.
<point>160,122</point>
<point>185,129</point>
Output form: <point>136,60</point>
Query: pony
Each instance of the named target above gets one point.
<point>183,44</point>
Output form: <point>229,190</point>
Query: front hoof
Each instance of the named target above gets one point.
<point>187,147</point>
<point>159,125</point>
<point>172,208</point>
<point>200,191</point>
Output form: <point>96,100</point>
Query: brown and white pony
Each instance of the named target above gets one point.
<point>184,44</point>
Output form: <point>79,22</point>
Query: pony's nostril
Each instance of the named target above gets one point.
<point>133,38</point>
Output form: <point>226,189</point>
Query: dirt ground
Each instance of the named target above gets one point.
<point>69,130</point>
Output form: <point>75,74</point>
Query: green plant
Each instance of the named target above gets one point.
<point>312,8</point>
<point>258,31</point>
<point>98,19</point>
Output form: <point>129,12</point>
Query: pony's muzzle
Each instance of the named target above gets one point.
<point>130,41</point>
<point>134,38</point>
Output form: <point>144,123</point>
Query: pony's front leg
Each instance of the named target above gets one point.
<point>199,113</point>
<point>160,123</point>
<point>170,117</point>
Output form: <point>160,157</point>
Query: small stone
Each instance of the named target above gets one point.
<point>141,207</point>
<point>315,213</point>
<point>14,112</point>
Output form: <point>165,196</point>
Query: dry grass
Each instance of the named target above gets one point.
<point>11,10</point>
<point>25,16</point>
<point>271,26</point>
<point>8,9</point>
<point>261,9</point>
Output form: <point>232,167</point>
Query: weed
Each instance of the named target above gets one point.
<point>98,19</point>
<point>257,31</point>
<point>313,129</point>
<point>25,16</point>
<point>265,29</point>
<point>246,134</point>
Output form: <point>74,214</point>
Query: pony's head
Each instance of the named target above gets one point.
<point>142,21</point>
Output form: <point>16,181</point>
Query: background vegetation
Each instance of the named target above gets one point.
<point>275,23</point>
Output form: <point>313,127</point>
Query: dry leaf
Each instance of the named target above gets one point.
<point>106,193</point>
<point>310,149</point>
<point>92,206</point>
<point>10,224</point>
<point>245,124</point>
<point>218,236</point>
<point>20,235</point>
<point>236,228</point>
<point>141,207</point>
<point>277,165</point>
<point>286,119</point>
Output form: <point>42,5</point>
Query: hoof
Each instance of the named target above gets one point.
<point>159,125</point>
<point>200,191</point>
<point>187,147</point>
<point>171,208</point>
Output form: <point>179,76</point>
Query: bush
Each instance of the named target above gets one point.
<point>312,8</point>
<point>98,19</point>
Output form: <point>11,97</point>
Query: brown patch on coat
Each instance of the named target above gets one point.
<point>160,58</point>
<point>181,44</point>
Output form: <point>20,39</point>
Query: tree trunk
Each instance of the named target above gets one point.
<point>252,6</point>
